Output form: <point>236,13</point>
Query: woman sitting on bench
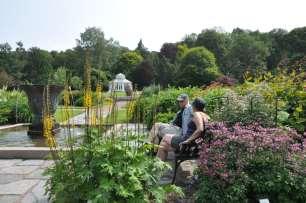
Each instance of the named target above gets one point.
<point>195,128</point>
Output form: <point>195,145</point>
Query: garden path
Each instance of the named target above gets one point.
<point>22,180</point>
<point>80,119</point>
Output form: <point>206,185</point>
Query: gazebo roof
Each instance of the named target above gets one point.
<point>120,78</point>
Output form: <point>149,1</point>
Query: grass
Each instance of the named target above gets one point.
<point>72,111</point>
<point>118,94</point>
<point>120,117</point>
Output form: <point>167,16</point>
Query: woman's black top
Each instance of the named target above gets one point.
<point>191,127</point>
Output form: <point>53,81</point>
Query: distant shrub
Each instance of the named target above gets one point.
<point>150,90</point>
<point>234,108</point>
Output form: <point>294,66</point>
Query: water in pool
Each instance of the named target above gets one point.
<point>19,138</point>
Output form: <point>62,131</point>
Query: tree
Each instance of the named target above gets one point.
<point>19,61</point>
<point>6,57</point>
<point>169,51</point>
<point>164,70</point>
<point>141,49</point>
<point>198,67</point>
<point>190,40</point>
<point>143,74</point>
<point>295,46</point>
<point>38,68</point>
<point>103,52</point>
<point>277,49</point>
<point>295,40</point>
<point>216,42</point>
<point>127,63</point>
<point>245,54</point>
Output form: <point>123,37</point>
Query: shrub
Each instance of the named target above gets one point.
<point>212,97</point>
<point>233,108</point>
<point>77,98</point>
<point>14,103</point>
<point>244,163</point>
<point>287,89</point>
<point>108,171</point>
<point>76,83</point>
<point>150,90</point>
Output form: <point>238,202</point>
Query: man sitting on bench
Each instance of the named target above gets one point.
<point>195,129</point>
<point>178,126</point>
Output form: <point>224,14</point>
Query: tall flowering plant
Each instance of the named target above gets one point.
<point>244,162</point>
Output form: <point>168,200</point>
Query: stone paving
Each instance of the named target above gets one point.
<point>22,180</point>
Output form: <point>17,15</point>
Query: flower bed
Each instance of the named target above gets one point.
<point>243,163</point>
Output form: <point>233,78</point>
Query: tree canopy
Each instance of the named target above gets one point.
<point>195,60</point>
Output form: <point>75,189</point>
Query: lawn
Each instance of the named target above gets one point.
<point>120,116</point>
<point>72,111</point>
<point>118,94</point>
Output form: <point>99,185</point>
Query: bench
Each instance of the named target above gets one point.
<point>190,151</point>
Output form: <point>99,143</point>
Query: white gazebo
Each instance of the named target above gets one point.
<point>119,83</point>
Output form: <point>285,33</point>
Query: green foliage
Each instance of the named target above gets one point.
<point>216,42</point>
<point>246,54</point>
<point>294,39</point>
<point>108,171</point>
<point>150,90</point>
<point>59,76</point>
<point>77,98</point>
<point>103,52</point>
<point>165,69</point>
<point>127,63</point>
<point>5,79</point>
<point>165,117</point>
<point>12,104</point>
<point>143,74</point>
<point>198,67</point>
<point>251,108</point>
<point>287,90</point>
<point>76,83</point>
<point>212,98</point>
<point>38,68</point>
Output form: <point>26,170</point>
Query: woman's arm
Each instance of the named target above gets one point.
<point>198,120</point>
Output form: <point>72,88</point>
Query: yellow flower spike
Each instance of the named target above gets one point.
<point>47,132</point>
<point>87,98</point>
<point>99,91</point>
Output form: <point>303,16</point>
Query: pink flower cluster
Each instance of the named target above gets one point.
<point>226,155</point>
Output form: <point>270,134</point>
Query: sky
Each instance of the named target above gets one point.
<point>56,24</point>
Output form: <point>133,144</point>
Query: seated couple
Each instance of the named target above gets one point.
<point>187,125</point>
